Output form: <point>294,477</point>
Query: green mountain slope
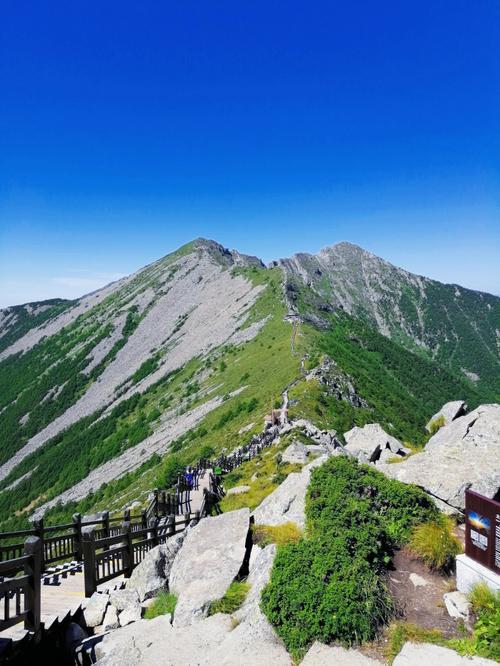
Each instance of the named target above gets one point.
<point>184,358</point>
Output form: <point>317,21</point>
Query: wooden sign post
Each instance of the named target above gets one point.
<point>482,530</point>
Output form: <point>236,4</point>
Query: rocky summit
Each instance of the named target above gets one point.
<point>341,403</point>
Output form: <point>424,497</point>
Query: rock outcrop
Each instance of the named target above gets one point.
<point>414,654</point>
<point>287,503</point>
<point>210,559</point>
<point>368,442</point>
<point>325,655</point>
<point>152,574</point>
<point>448,413</point>
<point>295,453</point>
<point>463,454</point>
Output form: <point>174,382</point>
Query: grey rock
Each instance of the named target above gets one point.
<point>463,454</point>
<point>238,490</point>
<point>95,608</point>
<point>130,614</point>
<point>209,560</point>
<point>110,619</point>
<point>457,605</point>
<point>325,655</point>
<point>296,453</point>
<point>151,575</point>
<point>153,642</point>
<point>239,646</point>
<point>122,599</point>
<point>449,412</point>
<point>287,502</point>
<point>371,440</point>
<point>413,654</point>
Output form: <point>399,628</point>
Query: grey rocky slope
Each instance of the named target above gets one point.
<point>463,454</point>
<point>456,326</point>
<point>187,304</point>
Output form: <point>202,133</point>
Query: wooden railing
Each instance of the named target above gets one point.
<point>109,557</point>
<point>20,587</point>
<point>109,547</point>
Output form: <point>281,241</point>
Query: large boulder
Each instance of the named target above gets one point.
<point>151,575</point>
<point>418,654</point>
<point>369,441</point>
<point>253,628</point>
<point>448,413</point>
<point>287,503</point>
<point>209,560</point>
<point>295,453</point>
<point>153,642</point>
<point>463,454</point>
<point>325,655</point>
<point>94,610</point>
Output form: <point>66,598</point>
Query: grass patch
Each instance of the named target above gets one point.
<point>401,632</point>
<point>485,639</point>
<point>263,535</point>
<point>435,543</point>
<point>233,599</point>
<point>262,474</point>
<point>164,603</point>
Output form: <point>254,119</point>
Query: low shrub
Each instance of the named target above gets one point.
<point>485,639</point>
<point>164,603</point>
<point>435,543</point>
<point>233,599</point>
<point>436,425</point>
<point>330,586</point>
<point>263,535</point>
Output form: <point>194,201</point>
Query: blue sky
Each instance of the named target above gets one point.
<point>128,129</point>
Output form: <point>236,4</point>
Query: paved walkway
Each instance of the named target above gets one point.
<point>63,589</point>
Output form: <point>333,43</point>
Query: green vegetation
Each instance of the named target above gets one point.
<point>435,543</point>
<point>164,603</point>
<point>401,632</point>
<point>30,315</point>
<point>263,474</point>
<point>330,586</point>
<point>281,535</point>
<point>436,425</point>
<point>232,600</point>
<point>485,638</point>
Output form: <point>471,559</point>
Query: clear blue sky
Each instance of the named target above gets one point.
<point>129,128</point>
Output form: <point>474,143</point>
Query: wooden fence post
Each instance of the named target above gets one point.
<point>144,519</point>
<point>88,552</point>
<point>196,517</point>
<point>187,519</point>
<point>128,553</point>
<point>126,515</point>
<point>32,594</point>
<point>77,526</point>
<point>155,493</point>
<point>38,527</point>
<point>153,526</point>
<point>163,503</point>
<point>169,526</point>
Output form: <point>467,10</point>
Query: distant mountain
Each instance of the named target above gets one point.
<point>188,354</point>
<point>458,327</point>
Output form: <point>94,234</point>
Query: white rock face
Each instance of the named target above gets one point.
<point>209,560</point>
<point>151,575</point>
<point>296,453</point>
<point>424,654</point>
<point>457,605</point>
<point>213,641</point>
<point>287,502</point>
<point>324,655</point>
<point>450,411</point>
<point>465,453</point>
<point>110,619</point>
<point>371,440</point>
<point>253,641</point>
<point>95,608</point>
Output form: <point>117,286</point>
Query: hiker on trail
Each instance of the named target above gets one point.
<point>188,475</point>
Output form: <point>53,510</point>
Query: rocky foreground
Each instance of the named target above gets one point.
<point>200,564</point>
